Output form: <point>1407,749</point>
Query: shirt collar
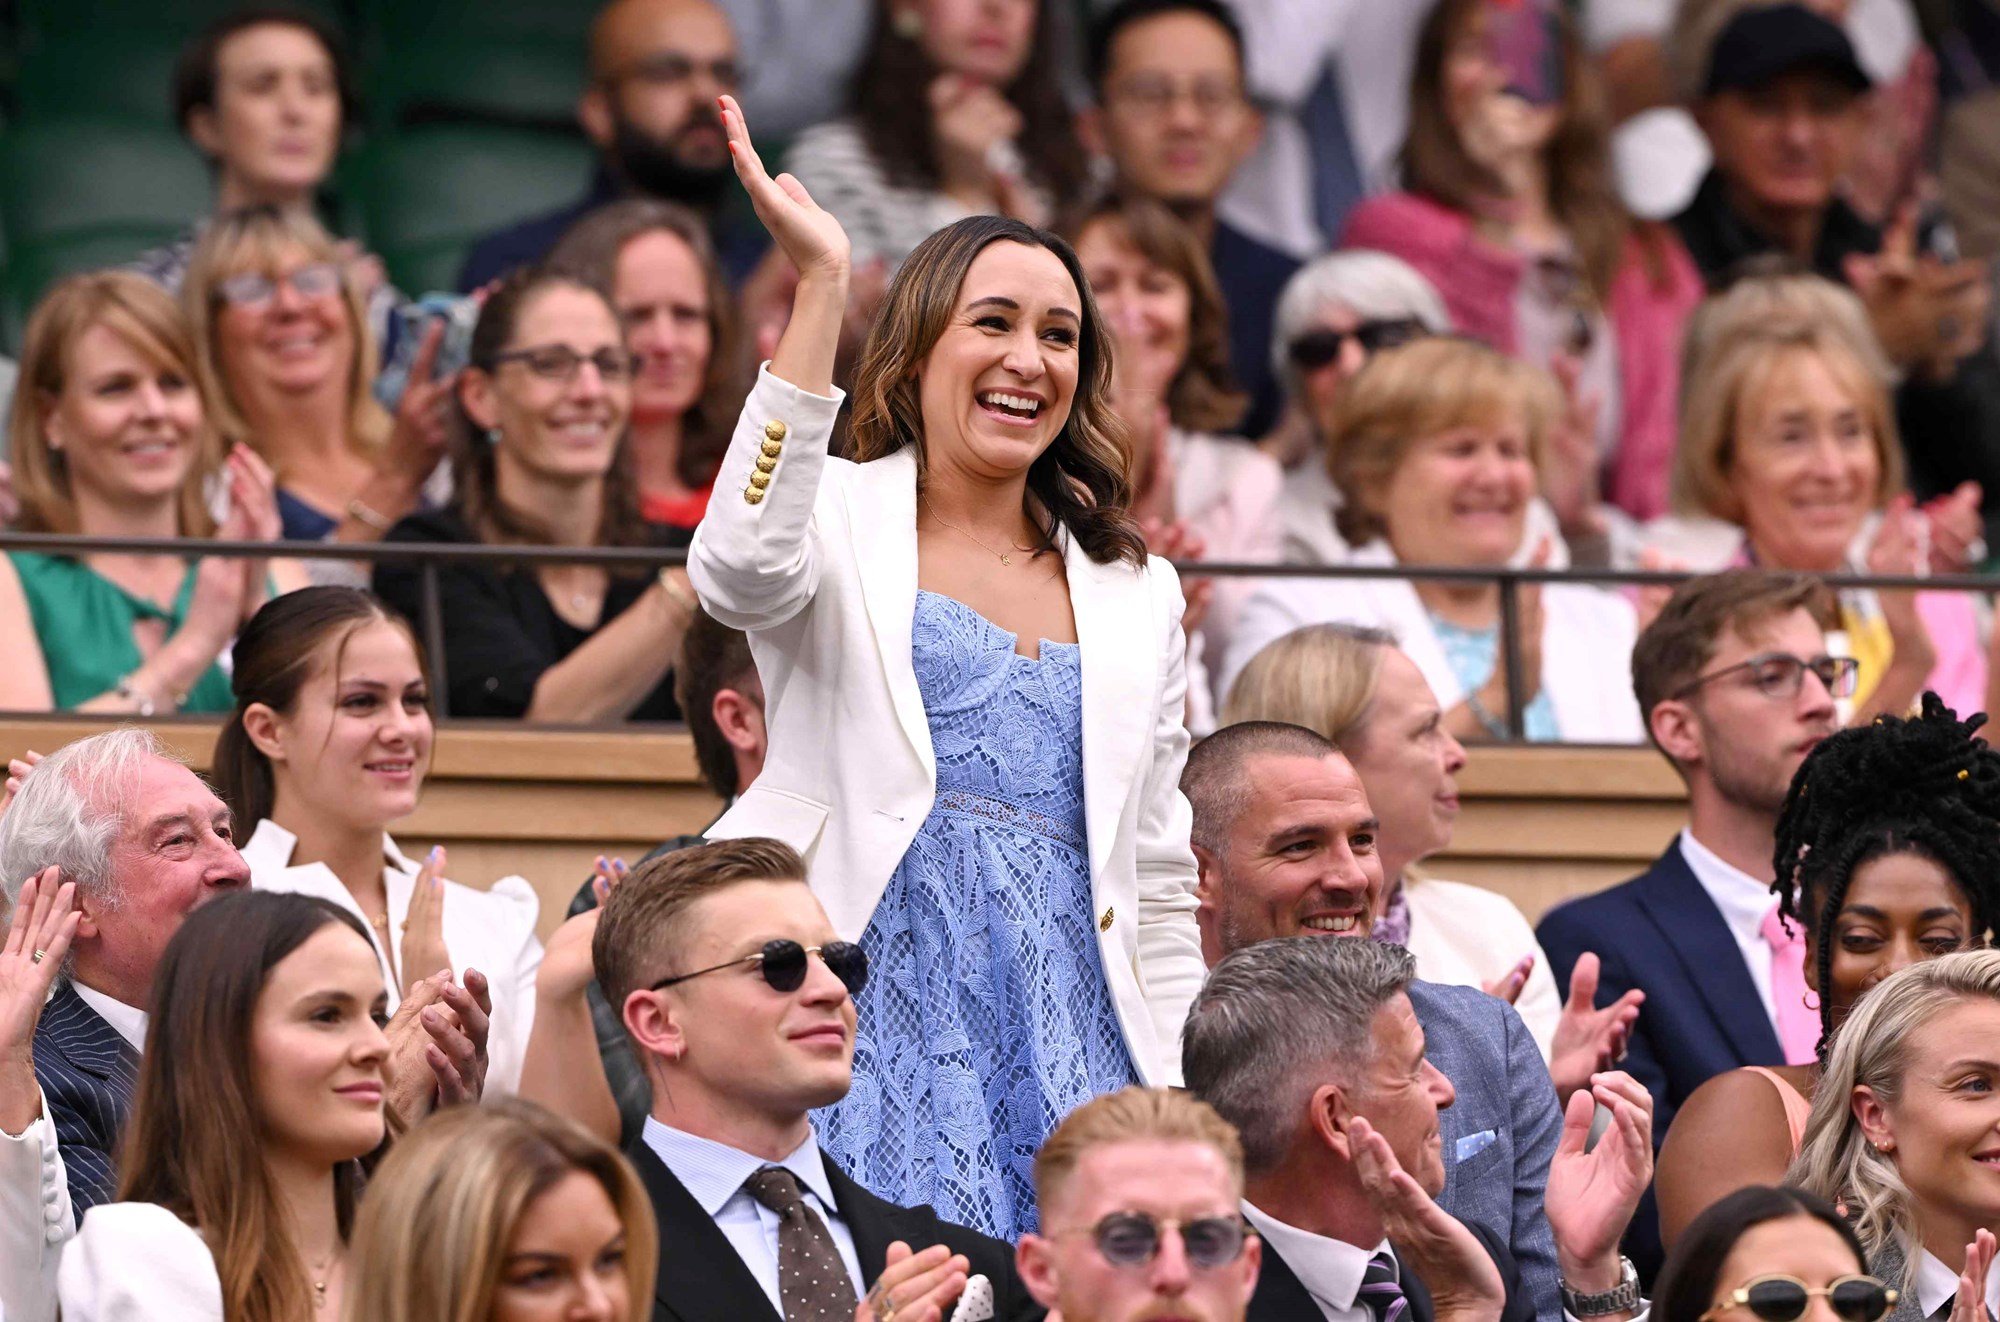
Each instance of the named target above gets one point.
<point>1937,1286</point>
<point>1742,899</point>
<point>713,1172</point>
<point>128,1021</point>
<point>1330,1269</point>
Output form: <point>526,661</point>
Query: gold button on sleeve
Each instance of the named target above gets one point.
<point>772,449</point>
<point>766,464</point>
<point>774,430</point>
<point>760,480</point>
<point>753,495</point>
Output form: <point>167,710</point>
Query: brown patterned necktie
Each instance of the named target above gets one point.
<point>813,1284</point>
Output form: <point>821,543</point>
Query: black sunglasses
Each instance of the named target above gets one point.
<point>783,964</point>
<point>1780,1298</point>
<point>1132,1239</point>
<point>1316,348</point>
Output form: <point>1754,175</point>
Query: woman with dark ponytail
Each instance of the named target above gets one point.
<point>1888,852</point>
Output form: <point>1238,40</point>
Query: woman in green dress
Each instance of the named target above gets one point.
<point>109,440</point>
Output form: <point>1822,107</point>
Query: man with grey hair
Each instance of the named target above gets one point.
<point>1314,1051</point>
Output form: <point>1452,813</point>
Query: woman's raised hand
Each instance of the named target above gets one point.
<point>812,238</point>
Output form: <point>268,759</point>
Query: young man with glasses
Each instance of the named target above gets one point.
<point>1736,685</point>
<point>1140,1193</point>
<point>1314,1051</point>
<point>738,996</point>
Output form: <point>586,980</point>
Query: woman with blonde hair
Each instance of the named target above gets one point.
<point>522,1216</point>
<point>1902,1133</point>
<point>1788,439</point>
<point>977,679</point>
<point>287,364</point>
<point>1437,450</point>
<point>109,439</point>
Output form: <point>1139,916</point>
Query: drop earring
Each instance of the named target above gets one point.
<point>908,24</point>
<point>493,436</point>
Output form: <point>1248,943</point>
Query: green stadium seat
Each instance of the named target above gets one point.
<point>33,267</point>
<point>72,74</point>
<point>520,83</point>
<point>87,176</point>
<point>174,19</point>
<point>421,198</point>
<point>389,25</point>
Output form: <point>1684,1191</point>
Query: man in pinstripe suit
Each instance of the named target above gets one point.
<point>146,842</point>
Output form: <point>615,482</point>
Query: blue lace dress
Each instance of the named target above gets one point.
<point>986,1018</point>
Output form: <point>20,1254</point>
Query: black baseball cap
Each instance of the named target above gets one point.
<point>1769,41</point>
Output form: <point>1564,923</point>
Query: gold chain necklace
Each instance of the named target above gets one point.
<point>1005,558</point>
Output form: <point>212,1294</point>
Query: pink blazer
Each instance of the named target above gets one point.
<point>1478,279</point>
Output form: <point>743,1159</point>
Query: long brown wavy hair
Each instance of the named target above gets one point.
<point>1083,478</point>
<point>192,1144</point>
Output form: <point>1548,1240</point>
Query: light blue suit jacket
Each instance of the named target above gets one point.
<point>1501,1133</point>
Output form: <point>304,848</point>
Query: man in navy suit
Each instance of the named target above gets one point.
<point>1732,676</point>
<point>1313,1050</point>
<point>1285,843</point>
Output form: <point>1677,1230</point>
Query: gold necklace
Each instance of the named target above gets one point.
<point>1005,558</point>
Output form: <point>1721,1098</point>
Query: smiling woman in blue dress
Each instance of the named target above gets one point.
<point>974,680</point>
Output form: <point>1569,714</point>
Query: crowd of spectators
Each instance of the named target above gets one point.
<point>1068,942</point>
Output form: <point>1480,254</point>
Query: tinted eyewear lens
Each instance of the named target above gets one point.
<point>1777,1298</point>
<point>1130,1239</point>
<point>1860,1298</point>
<point>1375,336</point>
<point>1315,349</point>
<point>783,964</point>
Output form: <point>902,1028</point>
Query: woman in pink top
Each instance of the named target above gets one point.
<point>1511,211</point>
<point>1888,853</point>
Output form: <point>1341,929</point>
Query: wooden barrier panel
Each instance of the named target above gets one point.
<point>1537,824</point>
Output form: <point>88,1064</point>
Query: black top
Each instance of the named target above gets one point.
<point>500,629</point>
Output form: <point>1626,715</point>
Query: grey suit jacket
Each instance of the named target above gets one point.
<point>1501,1133</point>
<point>1887,1266</point>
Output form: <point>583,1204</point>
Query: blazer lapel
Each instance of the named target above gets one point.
<point>1280,1295</point>
<point>1120,643</point>
<point>87,1041</point>
<point>883,524</point>
<point>871,1220</point>
<point>701,1278</point>
<point>1693,929</point>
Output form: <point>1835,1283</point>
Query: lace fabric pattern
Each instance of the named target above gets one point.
<point>986,1017</point>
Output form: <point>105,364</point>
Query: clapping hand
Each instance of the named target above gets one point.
<point>1509,984</point>
<point>1587,1039</point>
<point>422,951</point>
<point>437,1045</point>
<point>423,415</point>
<point>38,936</point>
<point>1465,1286</point>
<point>567,967</point>
<point>915,1287</point>
<point>1592,1195</point>
<point>1969,1304</point>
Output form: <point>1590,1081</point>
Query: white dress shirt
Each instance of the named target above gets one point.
<point>1937,1286</point>
<point>129,1022</point>
<point>714,1174</point>
<point>1743,901</point>
<point>1330,1269</point>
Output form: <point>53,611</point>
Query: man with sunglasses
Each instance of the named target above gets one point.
<point>738,997</point>
<point>1139,1192</point>
<point>1314,1051</point>
<point>1736,684</point>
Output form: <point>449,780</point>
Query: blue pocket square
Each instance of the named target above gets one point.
<point>1473,1144</point>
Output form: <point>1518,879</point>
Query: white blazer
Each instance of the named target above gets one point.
<point>491,930</point>
<point>819,565</point>
<point>138,1262</point>
<point>35,1220</point>
<point>1587,637</point>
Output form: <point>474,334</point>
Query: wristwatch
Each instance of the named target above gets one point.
<point>1621,1298</point>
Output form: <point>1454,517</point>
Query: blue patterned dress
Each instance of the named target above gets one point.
<point>986,1017</point>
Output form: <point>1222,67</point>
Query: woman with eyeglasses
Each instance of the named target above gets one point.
<point>109,439</point>
<point>287,365</point>
<point>1888,854</point>
<point>1512,212</point>
<point>1770,1254</point>
<point>540,458</point>
<point>1905,1135</point>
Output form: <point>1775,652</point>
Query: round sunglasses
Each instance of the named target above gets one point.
<point>1132,1239</point>
<point>783,965</point>
<point>1780,1298</point>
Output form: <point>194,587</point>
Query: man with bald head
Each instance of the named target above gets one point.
<point>656,69</point>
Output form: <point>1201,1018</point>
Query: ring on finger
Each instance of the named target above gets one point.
<point>38,956</point>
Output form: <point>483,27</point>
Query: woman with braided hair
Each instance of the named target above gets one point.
<point>1888,852</point>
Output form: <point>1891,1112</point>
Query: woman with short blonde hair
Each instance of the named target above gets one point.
<point>474,1192</point>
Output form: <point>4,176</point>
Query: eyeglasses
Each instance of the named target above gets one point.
<point>783,964</point>
<point>1156,95</point>
<point>1780,1298</point>
<point>254,289</point>
<point>1316,348</point>
<point>1132,1239</point>
<point>559,362</point>
<point>1779,675</point>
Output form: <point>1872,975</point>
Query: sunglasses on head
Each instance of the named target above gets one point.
<point>1132,1239</point>
<point>783,964</point>
<point>1780,1298</point>
<point>1316,348</point>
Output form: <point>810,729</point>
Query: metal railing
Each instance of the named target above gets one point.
<point>429,558</point>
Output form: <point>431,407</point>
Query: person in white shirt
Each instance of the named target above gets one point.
<point>1312,1049</point>
<point>34,1194</point>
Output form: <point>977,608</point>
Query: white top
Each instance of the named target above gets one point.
<point>1467,936</point>
<point>138,1262</point>
<point>129,1021</point>
<point>1937,1286</point>
<point>1330,1269</point>
<point>35,1219</point>
<point>1743,901</point>
<point>1227,491</point>
<point>491,930</point>
<point>713,1174</point>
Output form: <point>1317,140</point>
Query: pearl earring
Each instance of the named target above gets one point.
<point>493,436</point>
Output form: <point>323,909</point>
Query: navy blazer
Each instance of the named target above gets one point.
<point>1661,933</point>
<point>89,1075</point>
<point>1501,1133</point>
<point>1282,1297</point>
